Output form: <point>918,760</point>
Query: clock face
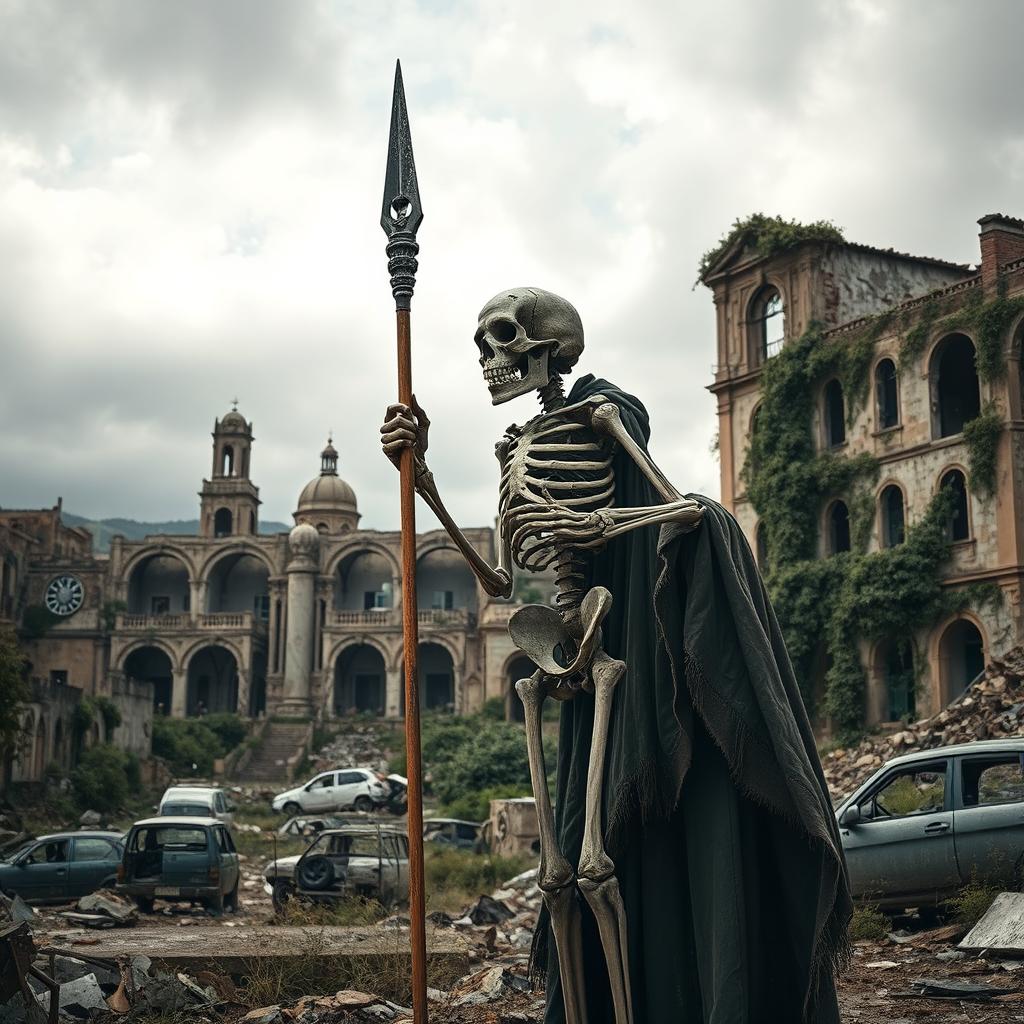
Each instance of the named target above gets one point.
<point>64,595</point>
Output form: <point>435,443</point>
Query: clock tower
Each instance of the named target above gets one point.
<point>229,502</point>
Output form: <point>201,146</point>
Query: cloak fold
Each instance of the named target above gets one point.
<point>717,814</point>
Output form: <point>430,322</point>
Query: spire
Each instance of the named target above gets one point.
<point>329,459</point>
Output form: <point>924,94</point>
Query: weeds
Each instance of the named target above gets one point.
<point>868,923</point>
<point>455,878</point>
<point>970,904</point>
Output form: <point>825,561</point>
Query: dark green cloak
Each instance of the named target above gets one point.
<point>716,810</point>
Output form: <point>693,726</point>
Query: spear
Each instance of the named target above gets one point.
<point>400,218</point>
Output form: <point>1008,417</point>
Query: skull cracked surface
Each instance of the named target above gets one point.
<point>524,335</point>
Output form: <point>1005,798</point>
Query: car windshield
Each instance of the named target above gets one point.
<point>180,837</point>
<point>16,853</point>
<point>185,810</point>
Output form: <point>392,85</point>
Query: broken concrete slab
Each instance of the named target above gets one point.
<point>952,988</point>
<point>15,909</point>
<point>1001,928</point>
<point>81,998</point>
<point>232,950</point>
<point>113,906</point>
<point>489,911</point>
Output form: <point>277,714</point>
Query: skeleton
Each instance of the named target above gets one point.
<point>556,508</point>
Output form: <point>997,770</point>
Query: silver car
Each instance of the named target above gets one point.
<point>928,823</point>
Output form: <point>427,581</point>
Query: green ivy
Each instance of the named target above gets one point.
<point>826,606</point>
<point>769,237</point>
<point>981,435</point>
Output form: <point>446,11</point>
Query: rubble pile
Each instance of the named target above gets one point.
<point>993,708</point>
<point>359,746</point>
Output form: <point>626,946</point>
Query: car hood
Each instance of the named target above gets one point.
<point>287,794</point>
<point>283,867</point>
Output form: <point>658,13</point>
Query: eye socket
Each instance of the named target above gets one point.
<point>503,331</point>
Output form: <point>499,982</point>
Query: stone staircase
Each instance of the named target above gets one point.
<point>280,742</point>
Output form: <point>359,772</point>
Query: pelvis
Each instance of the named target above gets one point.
<point>559,649</point>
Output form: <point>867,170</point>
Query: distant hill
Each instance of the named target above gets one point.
<point>103,529</point>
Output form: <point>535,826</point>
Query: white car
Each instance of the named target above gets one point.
<point>197,802</point>
<point>335,790</point>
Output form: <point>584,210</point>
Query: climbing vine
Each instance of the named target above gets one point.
<point>981,435</point>
<point>826,606</point>
<point>769,236</point>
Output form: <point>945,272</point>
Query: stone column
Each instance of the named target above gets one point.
<point>179,692</point>
<point>196,598</point>
<point>304,544</point>
<point>393,692</point>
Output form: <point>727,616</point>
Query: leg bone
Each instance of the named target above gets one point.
<point>597,879</point>
<point>555,876</point>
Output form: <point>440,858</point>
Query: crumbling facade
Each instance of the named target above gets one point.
<point>945,360</point>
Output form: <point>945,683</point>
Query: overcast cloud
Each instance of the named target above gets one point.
<point>190,196</point>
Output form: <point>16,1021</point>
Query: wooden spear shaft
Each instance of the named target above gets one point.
<point>410,635</point>
<point>401,214</point>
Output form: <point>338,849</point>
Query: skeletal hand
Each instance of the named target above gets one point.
<point>405,428</point>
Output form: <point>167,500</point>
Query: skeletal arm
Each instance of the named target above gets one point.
<point>404,428</point>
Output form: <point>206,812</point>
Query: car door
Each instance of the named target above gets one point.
<point>350,785</point>
<point>43,871</point>
<point>989,816</point>
<point>94,860</point>
<point>227,860</point>
<point>904,843</point>
<point>320,794</point>
<point>390,875</point>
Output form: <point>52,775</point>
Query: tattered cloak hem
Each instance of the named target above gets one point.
<point>717,814</point>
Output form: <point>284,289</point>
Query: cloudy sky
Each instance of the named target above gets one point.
<point>190,196</point>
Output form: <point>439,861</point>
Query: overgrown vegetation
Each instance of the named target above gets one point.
<point>826,605</point>
<point>456,878</point>
<point>36,621</point>
<point>14,690</point>
<point>106,777</point>
<point>769,237</point>
<point>470,760</point>
<point>981,436</point>
<point>190,745</point>
<point>973,900</point>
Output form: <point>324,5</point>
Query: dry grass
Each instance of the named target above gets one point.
<point>456,878</point>
<point>970,904</point>
<point>382,968</point>
<point>349,912</point>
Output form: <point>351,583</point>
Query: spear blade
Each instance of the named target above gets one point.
<point>402,211</point>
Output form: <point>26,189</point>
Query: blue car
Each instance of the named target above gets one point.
<point>63,866</point>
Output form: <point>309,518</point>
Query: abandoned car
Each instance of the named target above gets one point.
<point>177,859</point>
<point>926,824</point>
<point>361,788</point>
<point>197,802</point>
<point>63,866</point>
<point>357,860</point>
<point>464,835</point>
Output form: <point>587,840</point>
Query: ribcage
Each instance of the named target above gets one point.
<point>548,465</point>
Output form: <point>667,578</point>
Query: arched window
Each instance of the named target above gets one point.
<point>838,528</point>
<point>761,546</point>
<point>767,324</point>
<point>887,394</point>
<point>893,516</point>
<point>222,523</point>
<point>959,525</point>
<point>227,466</point>
<point>955,384</point>
<point>899,680</point>
<point>835,414</point>
<point>961,658</point>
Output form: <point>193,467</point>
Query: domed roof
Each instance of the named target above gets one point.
<point>327,492</point>
<point>233,420</point>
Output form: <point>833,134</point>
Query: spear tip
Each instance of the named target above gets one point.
<point>402,211</point>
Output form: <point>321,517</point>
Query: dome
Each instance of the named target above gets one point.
<point>327,501</point>
<point>234,420</point>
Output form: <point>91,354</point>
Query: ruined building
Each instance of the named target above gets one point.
<point>913,383</point>
<point>301,624</point>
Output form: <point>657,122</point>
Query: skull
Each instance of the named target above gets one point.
<point>524,335</point>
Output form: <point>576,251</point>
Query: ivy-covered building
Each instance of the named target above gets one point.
<point>871,433</point>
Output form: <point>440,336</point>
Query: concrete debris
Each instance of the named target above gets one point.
<point>82,998</point>
<point>90,819</point>
<point>489,986</point>
<point>1001,928</point>
<point>993,708</point>
<point>951,988</point>
<point>109,904</point>
<point>359,746</point>
<point>15,909</point>
<point>489,911</point>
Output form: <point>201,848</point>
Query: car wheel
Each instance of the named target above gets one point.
<point>145,904</point>
<point>292,809</point>
<point>215,904</point>
<point>315,873</point>
<point>281,895</point>
<point>363,803</point>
